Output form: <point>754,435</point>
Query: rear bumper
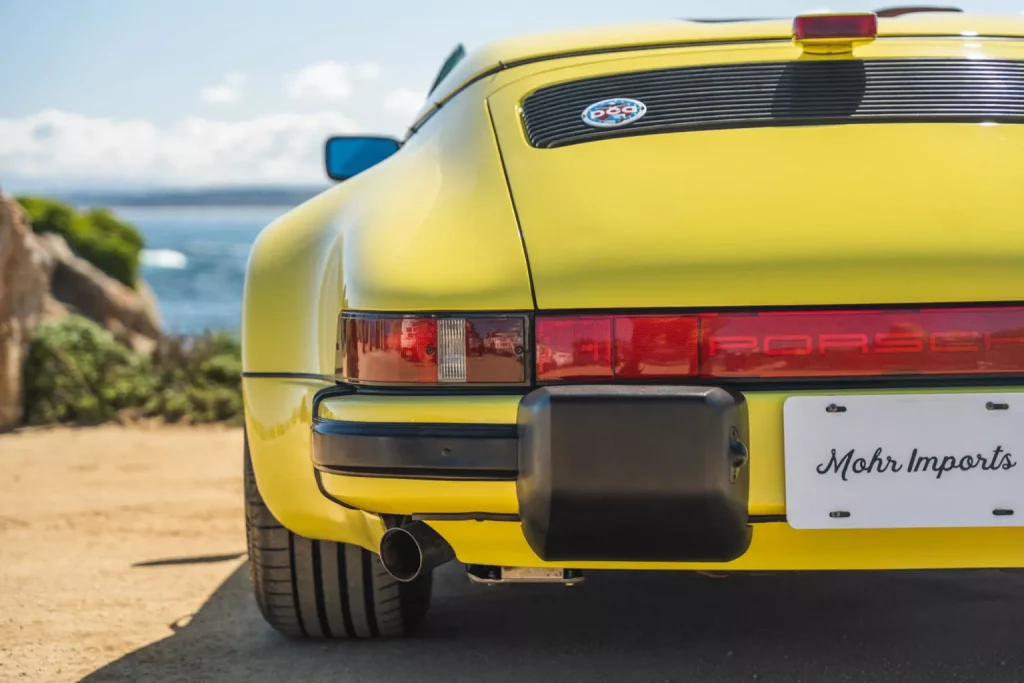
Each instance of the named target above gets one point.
<point>601,473</point>
<point>476,502</point>
<point>279,413</point>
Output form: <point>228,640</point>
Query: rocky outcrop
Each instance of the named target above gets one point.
<point>41,279</point>
<point>130,314</point>
<point>24,300</point>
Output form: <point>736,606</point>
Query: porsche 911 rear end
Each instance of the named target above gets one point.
<point>775,316</point>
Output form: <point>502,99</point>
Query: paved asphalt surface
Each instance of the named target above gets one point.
<point>949,626</point>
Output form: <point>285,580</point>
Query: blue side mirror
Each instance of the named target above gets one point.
<point>345,156</point>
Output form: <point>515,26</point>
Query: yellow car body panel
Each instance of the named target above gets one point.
<point>776,547</point>
<point>809,215</point>
<point>852,214</point>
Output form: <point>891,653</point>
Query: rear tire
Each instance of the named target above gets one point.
<point>319,589</point>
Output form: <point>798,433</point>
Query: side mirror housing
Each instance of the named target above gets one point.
<point>348,155</point>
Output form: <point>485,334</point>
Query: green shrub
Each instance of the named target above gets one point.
<point>97,236</point>
<point>200,379</point>
<point>48,215</point>
<point>109,225</point>
<point>76,372</point>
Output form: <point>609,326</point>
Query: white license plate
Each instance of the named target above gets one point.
<point>903,461</point>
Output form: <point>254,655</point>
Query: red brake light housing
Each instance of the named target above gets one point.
<point>781,344</point>
<point>431,349</point>
<point>834,33</point>
<point>767,345</point>
<point>617,346</point>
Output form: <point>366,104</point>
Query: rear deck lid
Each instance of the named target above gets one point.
<point>860,180</point>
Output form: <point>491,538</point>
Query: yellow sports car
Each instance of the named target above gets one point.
<point>717,296</point>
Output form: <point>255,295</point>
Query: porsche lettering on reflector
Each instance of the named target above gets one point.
<point>611,113</point>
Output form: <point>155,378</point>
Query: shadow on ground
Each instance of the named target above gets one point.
<point>905,626</point>
<point>198,559</point>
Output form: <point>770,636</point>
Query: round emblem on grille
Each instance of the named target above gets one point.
<point>617,111</point>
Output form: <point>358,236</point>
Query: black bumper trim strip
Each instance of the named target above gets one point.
<point>329,496</point>
<point>509,517</point>
<point>481,452</point>
<point>421,430</point>
<point>766,519</point>
<point>425,474</point>
<point>466,517</point>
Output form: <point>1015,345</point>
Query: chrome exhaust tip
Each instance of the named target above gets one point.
<point>408,551</point>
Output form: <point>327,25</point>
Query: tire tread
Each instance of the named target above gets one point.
<point>321,589</point>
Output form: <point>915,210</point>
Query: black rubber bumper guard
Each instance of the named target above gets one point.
<point>639,473</point>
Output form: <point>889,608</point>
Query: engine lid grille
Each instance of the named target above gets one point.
<point>783,94</point>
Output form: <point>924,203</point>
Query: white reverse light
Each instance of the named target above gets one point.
<point>451,350</point>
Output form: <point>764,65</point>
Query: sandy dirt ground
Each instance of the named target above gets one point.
<point>110,539</point>
<point>121,560</point>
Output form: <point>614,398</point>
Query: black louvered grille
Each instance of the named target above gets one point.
<point>783,94</point>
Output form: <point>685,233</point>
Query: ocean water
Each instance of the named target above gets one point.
<point>195,261</point>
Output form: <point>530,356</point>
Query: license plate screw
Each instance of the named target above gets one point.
<point>833,408</point>
<point>997,406</point>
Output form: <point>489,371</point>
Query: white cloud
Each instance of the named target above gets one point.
<point>366,71</point>
<point>328,81</point>
<point>405,102</point>
<point>227,91</point>
<point>55,144</point>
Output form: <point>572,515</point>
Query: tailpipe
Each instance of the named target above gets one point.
<point>408,551</point>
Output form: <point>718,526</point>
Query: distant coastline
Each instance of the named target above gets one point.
<point>202,197</point>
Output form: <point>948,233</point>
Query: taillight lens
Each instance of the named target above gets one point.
<point>574,348</point>
<point>623,346</point>
<point>835,26</point>
<point>792,344</point>
<point>395,349</point>
<point>851,343</point>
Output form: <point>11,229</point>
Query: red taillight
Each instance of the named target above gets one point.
<point>574,348</point>
<point>431,350</point>
<point>622,346</point>
<point>851,343</point>
<point>835,26</point>
<point>791,344</point>
<point>655,346</point>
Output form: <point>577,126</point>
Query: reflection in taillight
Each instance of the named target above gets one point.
<point>652,346</point>
<point>622,346</point>
<point>787,344</point>
<point>394,349</point>
<point>574,348</point>
<point>851,343</point>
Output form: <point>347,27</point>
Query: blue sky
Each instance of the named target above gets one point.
<point>196,92</point>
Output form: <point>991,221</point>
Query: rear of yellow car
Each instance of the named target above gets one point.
<point>775,319</point>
